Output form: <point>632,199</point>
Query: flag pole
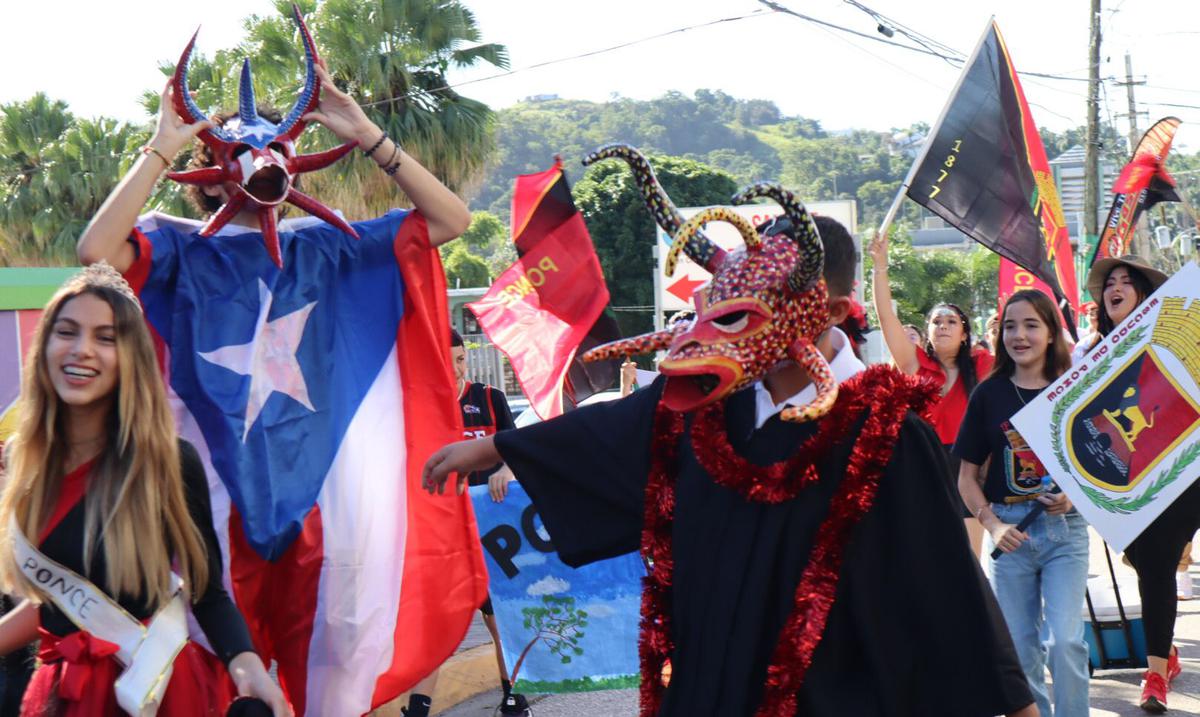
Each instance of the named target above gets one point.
<point>892,210</point>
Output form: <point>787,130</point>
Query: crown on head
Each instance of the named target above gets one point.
<point>104,274</point>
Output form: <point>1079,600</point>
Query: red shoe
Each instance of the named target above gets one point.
<point>1154,693</point>
<point>1173,667</point>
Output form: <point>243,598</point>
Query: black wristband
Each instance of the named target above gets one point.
<point>377,145</point>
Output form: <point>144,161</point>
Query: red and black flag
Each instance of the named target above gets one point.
<point>984,171</point>
<point>1143,183</point>
<point>548,307</point>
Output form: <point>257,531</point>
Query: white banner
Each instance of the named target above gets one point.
<point>1119,431</point>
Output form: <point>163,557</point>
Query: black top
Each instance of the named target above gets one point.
<point>1015,473</point>
<point>223,625</point>
<point>915,629</point>
<point>485,411</point>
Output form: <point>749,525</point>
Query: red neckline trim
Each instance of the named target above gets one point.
<point>74,485</point>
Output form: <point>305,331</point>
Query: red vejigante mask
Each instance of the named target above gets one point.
<point>765,304</point>
<point>256,160</point>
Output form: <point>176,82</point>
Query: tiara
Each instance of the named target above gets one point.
<point>104,274</point>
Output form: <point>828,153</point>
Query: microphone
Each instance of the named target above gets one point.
<point>1033,513</point>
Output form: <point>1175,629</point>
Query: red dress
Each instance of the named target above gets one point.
<point>77,670</point>
<point>947,414</point>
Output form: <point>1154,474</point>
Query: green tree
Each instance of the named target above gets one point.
<point>558,625</point>
<point>463,269</point>
<point>55,171</point>
<point>390,55</point>
<point>623,230</point>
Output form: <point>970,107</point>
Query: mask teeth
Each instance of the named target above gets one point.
<point>270,234</point>
<point>319,210</point>
<point>203,177</point>
<point>226,213</point>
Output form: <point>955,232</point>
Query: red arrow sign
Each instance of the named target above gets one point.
<point>684,287</point>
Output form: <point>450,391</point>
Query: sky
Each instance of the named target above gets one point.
<point>103,55</point>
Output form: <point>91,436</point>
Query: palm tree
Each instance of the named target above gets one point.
<point>392,56</point>
<point>55,171</point>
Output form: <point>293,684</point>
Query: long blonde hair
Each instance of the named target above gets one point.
<point>135,497</point>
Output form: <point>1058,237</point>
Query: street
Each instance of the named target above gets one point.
<point>1114,693</point>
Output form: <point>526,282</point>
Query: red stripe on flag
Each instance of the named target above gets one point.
<point>279,599</point>
<point>444,578</point>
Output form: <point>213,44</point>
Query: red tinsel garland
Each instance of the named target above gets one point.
<point>889,395</point>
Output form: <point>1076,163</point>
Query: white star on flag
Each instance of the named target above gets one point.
<point>269,358</point>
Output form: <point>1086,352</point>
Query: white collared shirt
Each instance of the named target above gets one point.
<point>845,365</point>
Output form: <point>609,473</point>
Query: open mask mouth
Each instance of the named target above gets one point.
<point>268,185</point>
<point>692,383</point>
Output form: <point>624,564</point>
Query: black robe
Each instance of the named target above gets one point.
<point>915,629</point>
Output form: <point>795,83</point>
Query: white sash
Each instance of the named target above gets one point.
<point>147,652</point>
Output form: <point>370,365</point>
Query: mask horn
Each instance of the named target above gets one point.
<point>247,105</point>
<point>310,95</point>
<point>691,228</point>
<point>185,106</point>
<point>699,247</point>
<point>812,252</point>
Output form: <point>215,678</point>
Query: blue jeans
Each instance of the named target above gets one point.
<point>1043,581</point>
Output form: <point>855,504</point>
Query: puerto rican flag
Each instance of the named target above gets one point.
<point>315,393</point>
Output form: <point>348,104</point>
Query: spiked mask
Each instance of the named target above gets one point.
<point>765,304</point>
<point>255,159</point>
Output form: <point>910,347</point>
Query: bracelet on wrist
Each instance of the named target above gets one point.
<point>369,152</point>
<point>979,511</point>
<point>148,150</point>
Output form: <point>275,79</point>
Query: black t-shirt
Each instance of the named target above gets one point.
<point>484,410</point>
<point>1015,473</point>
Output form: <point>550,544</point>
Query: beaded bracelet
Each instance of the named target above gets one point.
<point>377,145</point>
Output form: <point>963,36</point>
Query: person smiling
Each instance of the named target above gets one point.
<point>1043,574</point>
<point>100,499</point>
<point>946,356</point>
<point>1122,284</point>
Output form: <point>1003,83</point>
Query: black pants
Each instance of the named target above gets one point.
<point>1155,556</point>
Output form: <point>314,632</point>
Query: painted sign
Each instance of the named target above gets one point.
<point>1123,439</point>
<point>562,629</point>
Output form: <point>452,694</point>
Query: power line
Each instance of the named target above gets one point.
<point>956,61</point>
<point>547,63</point>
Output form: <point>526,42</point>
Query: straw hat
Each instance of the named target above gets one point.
<point>1101,269</point>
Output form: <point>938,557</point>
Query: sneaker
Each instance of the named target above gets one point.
<point>1154,693</point>
<point>1183,585</point>
<point>1173,667</point>
<point>514,704</point>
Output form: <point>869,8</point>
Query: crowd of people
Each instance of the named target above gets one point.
<point>814,546</point>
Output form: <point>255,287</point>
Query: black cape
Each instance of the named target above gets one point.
<point>915,629</point>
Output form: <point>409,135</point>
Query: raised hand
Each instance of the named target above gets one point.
<point>341,114</point>
<point>172,133</point>
<point>879,251</point>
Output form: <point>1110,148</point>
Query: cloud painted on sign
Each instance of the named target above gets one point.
<point>548,585</point>
<point>599,610</point>
<point>527,559</point>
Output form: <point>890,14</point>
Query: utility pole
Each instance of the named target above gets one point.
<point>1134,135</point>
<point>1091,169</point>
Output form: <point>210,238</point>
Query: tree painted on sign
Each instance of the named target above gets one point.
<point>558,625</point>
